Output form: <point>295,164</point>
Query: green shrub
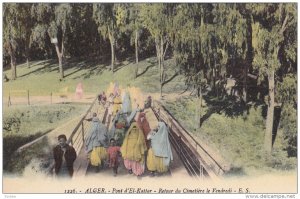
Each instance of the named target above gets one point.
<point>238,139</point>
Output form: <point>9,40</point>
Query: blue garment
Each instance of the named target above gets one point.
<point>126,103</point>
<point>131,116</point>
<point>97,136</point>
<point>160,143</point>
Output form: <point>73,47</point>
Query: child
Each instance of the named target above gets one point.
<point>113,152</point>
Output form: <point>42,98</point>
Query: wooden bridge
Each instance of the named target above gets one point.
<point>189,155</point>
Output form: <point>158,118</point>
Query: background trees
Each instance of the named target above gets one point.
<point>270,51</point>
<point>16,32</point>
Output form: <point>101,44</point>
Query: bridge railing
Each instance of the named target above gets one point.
<point>197,160</point>
<point>78,135</point>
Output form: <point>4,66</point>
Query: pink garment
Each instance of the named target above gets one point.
<point>136,167</point>
<point>116,90</point>
<point>79,91</point>
<point>113,155</point>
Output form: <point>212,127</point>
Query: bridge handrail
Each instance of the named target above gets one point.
<point>70,139</point>
<point>159,106</point>
<point>80,122</point>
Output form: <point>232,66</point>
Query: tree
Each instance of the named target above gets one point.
<point>17,30</point>
<point>135,25</point>
<point>231,36</point>
<point>10,35</point>
<point>194,48</point>
<point>42,15</point>
<point>286,92</point>
<point>55,20</point>
<point>268,41</point>
<point>26,24</point>
<point>287,95</point>
<point>58,29</point>
<point>105,17</point>
<point>82,38</point>
<point>157,18</point>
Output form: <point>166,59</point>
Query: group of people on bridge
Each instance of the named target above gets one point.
<point>130,138</point>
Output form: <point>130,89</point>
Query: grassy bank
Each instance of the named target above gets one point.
<point>238,138</point>
<point>23,124</point>
<point>94,76</point>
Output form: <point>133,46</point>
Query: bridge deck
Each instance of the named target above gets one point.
<point>190,157</point>
<point>81,165</point>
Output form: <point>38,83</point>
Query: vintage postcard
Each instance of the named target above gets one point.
<point>104,99</point>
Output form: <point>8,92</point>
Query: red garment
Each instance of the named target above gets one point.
<point>113,155</point>
<point>143,124</point>
<point>120,125</point>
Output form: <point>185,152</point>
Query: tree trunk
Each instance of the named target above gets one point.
<point>158,55</point>
<point>200,106</point>
<point>13,66</point>
<point>161,87</point>
<point>27,56</point>
<point>12,62</point>
<point>136,52</point>
<point>136,46</point>
<point>197,117</point>
<point>60,64</point>
<point>214,74</point>
<point>112,46</point>
<point>61,69</point>
<point>270,113</point>
<point>214,80</point>
<point>249,55</point>
<point>245,84</point>
<point>161,65</point>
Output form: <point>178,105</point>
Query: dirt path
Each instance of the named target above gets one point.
<point>45,100</point>
<point>71,98</point>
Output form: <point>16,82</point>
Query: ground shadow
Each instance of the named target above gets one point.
<point>11,144</point>
<point>147,68</point>
<point>170,79</point>
<point>49,66</point>
<point>90,65</point>
<point>122,64</point>
<point>227,104</point>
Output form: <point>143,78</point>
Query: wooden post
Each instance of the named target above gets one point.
<point>82,131</point>
<point>180,146</point>
<point>158,114</point>
<point>28,102</point>
<point>201,172</point>
<point>9,102</point>
<point>51,97</point>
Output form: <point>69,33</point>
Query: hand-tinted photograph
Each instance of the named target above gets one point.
<point>149,98</point>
